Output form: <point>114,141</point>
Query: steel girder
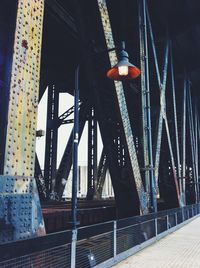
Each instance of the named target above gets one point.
<point>92,154</point>
<point>151,158</point>
<point>51,140</point>
<point>180,167</point>
<point>143,197</point>
<point>146,108</point>
<point>147,185</point>
<point>18,191</point>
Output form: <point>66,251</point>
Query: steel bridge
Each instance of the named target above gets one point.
<point>150,126</point>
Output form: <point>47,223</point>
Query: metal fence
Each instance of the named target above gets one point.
<point>99,245</point>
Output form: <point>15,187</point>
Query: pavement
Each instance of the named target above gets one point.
<point>180,249</point>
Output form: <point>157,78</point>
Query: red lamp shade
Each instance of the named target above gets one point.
<point>133,72</point>
<point>123,70</point>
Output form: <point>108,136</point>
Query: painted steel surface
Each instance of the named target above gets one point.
<point>24,86</point>
<point>20,211</point>
<point>146,107</point>
<point>143,197</point>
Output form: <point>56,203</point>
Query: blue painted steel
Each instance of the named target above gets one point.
<point>20,211</point>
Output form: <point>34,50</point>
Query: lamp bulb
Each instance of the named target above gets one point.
<point>123,70</point>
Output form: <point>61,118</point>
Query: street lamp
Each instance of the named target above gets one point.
<point>123,70</point>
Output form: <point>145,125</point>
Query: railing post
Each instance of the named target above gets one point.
<point>156,227</point>
<point>183,216</point>
<point>115,239</point>
<point>176,222</point>
<point>188,213</point>
<point>73,248</point>
<point>167,222</point>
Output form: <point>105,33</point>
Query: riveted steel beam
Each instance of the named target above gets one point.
<point>20,209</point>
<point>24,85</point>
<point>18,191</point>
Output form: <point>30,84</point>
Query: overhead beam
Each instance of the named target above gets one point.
<point>63,15</point>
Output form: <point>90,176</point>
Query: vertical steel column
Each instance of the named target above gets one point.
<point>51,140</point>
<point>7,30</point>
<point>192,139</point>
<point>17,183</point>
<point>184,137</point>
<point>146,107</point>
<point>75,150</point>
<point>92,154</point>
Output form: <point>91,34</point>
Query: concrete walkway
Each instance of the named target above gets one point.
<point>180,249</point>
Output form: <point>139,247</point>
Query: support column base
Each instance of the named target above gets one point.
<point>20,210</point>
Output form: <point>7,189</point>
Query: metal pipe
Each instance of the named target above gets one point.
<point>148,110</point>
<point>144,76</point>
<point>146,106</point>
<point>75,150</point>
<point>184,136</point>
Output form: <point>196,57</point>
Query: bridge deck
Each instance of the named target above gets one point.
<point>179,249</point>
